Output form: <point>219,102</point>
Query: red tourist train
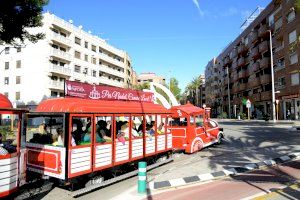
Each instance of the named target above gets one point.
<point>73,139</point>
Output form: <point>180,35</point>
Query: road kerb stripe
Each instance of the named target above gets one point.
<point>223,173</point>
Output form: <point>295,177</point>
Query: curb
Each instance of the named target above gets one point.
<point>219,174</point>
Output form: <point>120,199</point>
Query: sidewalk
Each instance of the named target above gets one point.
<point>290,192</point>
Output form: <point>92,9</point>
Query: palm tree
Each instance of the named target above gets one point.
<point>192,89</point>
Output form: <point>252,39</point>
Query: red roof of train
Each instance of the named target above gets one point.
<point>188,109</point>
<point>77,105</point>
<point>4,102</point>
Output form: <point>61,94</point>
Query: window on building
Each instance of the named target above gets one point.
<point>281,81</point>
<point>295,79</point>
<point>77,54</point>
<point>85,71</point>
<point>63,34</point>
<point>77,41</point>
<point>100,73</point>
<point>18,49</point>
<point>293,58</point>
<point>280,63</point>
<point>291,16</point>
<point>6,80</point>
<point>54,46</point>
<point>63,49</point>
<point>18,79</point>
<point>94,61</point>
<point>292,36</point>
<point>100,62</point>
<point>271,19</point>
<point>77,68</point>
<point>18,95</point>
<point>86,44</point>
<point>6,65</point>
<point>18,64</point>
<point>54,94</point>
<point>94,73</point>
<point>6,50</point>
<point>278,24</point>
<point>94,48</point>
<point>86,57</point>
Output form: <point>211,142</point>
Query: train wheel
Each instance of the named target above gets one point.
<point>197,146</point>
<point>219,139</point>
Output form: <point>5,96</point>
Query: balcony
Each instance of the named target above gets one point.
<point>242,86</point>
<point>237,101</point>
<point>242,74</point>
<point>255,67</point>
<point>253,82</point>
<point>60,70</point>
<point>61,39</point>
<point>266,96</point>
<point>254,37</point>
<point>264,62</point>
<point>242,49</point>
<point>57,85</point>
<point>234,53</point>
<point>265,79</point>
<point>235,76</point>
<point>110,82</point>
<point>255,53</point>
<point>227,60</point>
<point>262,31</point>
<point>61,54</point>
<point>234,65</point>
<point>111,71</point>
<point>255,97</point>
<point>110,59</point>
<point>263,47</point>
<point>241,62</point>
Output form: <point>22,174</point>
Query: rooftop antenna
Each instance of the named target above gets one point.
<point>251,17</point>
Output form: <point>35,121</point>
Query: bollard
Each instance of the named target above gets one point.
<point>142,175</point>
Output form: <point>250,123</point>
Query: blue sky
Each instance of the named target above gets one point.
<point>169,37</point>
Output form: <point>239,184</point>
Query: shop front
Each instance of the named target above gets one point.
<point>291,107</point>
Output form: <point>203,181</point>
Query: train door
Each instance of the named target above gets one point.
<point>137,134</point>
<point>122,139</point>
<point>80,144</point>
<point>161,132</point>
<point>103,142</point>
<point>150,135</point>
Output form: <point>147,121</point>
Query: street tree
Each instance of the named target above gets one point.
<point>142,86</point>
<point>191,89</point>
<point>16,16</point>
<point>174,88</point>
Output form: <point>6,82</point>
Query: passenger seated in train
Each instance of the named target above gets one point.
<point>59,140</point>
<point>161,128</point>
<point>3,150</point>
<point>78,133</point>
<point>102,132</point>
<point>123,131</point>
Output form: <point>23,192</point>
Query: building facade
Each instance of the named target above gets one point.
<point>38,71</point>
<point>246,65</point>
<point>150,77</point>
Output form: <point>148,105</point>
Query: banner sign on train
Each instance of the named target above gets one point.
<point>87,91</point>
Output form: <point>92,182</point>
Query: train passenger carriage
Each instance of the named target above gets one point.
<point>192,129</point>
<point>12,171</point>
<point>70,137</point>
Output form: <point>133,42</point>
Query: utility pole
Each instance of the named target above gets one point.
<point>228,92</point>
<point>272,77</point>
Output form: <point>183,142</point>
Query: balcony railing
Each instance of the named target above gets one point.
<point>265,79</point>
<point>255,66</point>
<point>227,60</point>
<point>256,97</point>
<point>111,82</point>
<point>264,46</point>
<point>265,96</point>
<point>241,49</point>
<point>254,37</point>
<point>255,53</point>
<point>253,82</point>
<point>61,39</point>
<point>242,86</point>
<point>242,74</point>
<point>233,53</point>
<point>264,62</point>
<point>112,71</point>
<point>262,31</point>
<point>61,54</point>
<point>241,61</point>
<point>58,85</point>
<point>60,70</point>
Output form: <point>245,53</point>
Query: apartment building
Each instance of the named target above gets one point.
<point>248,62</point>
<point>150,77</point>
<point>38,71</point>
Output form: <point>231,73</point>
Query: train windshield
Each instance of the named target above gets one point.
<point>45,129</point>
<point>9,129</point>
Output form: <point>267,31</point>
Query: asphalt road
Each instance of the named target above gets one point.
<point>245,142</point>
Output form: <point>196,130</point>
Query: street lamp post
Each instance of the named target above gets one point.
<point>228,92</point>
<point>272,77</point>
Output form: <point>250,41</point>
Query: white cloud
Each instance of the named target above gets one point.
<point>201,13</point>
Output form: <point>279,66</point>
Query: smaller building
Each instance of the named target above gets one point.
<point>150,77</point>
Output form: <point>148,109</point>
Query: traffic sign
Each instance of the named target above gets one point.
<point>248,104</point>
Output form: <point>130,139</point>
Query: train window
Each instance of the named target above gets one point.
<point>161,122</point>
<point>137,126</point>
<point>43,129</point>
<point>8,133</point>
<point>150,125</point>
<point>81,131</point>
<point>103,129</point>
<point>178,121</point>
<point>212,124</point>
<point>192,120</point>
<point>199,120</point>
<point>122,128</point>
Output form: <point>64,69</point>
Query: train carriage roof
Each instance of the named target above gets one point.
<point>78,105</point>
<point>4,102</point>
<point>188,109</point>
